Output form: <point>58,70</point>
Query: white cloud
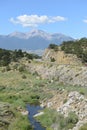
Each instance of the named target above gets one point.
<point>85,20</point>
<point>35,20</point>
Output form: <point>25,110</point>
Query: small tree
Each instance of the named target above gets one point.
<point>53,46</point>
<point>21,68</point>
<point>52,59</point>
<point>8,68</point>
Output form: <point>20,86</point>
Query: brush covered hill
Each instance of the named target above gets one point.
<point>8,56</point>
<point>79,48</point>
<point>70,52</point>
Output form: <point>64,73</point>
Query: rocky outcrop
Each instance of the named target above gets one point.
<point>65,103</point>
<point>78,104</point>
<point>6,115</point>
<point>60,57</point>
<point>67,74</point>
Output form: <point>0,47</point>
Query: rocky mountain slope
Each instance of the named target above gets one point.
<point>66,68</point>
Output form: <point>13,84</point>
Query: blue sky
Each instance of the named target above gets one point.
<point>63,16</point>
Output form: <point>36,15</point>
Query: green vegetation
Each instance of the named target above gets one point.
<point>19,87</point>
<point>21,68</point>
<point>84,127</point>
<point>53,46</point>
<point>7,56</point>
<point>78,48</point>
<point>17,121</point>
<point>53,119</point>
<point>60,87</point>
<point>52,59</point>
<point>20,123</point>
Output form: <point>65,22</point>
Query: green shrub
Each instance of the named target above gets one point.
<point>20,123</point>
<point>72,118</point>
<point>36,73</point>
<point>81,92</point>
<point>3,70</point>
<point>24,77</point>
<point>15,66</point>
<point>68,122</point>
<point>8,68</point>
<point>35,96</point>
<point>52,59</point>
<point>65,100</point>
<point>21,68</point>
<point>51,117</point>
<point>78,47</point>
<point>53,46</point>
<point>2,88</point>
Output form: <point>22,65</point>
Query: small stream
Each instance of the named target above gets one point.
<point>32,111</point>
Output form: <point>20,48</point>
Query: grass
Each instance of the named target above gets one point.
<point>20,123</point>
<point>20,88</point>
<point>84,127</point>
<point>60,86</point>
<point>52,119</point>
<point>19,91</point>
<point>47,118</point>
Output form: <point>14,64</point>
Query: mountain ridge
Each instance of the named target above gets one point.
<point>33,40</point>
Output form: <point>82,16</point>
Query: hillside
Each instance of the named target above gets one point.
<point>78,47</point>
<point>66,67</point>
<point>69,52</point>
<point>57,82</point>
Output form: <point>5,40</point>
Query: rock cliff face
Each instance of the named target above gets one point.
<point>60,57</point>
<point>66,68</point>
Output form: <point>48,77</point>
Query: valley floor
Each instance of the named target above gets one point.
<point>60,100</point>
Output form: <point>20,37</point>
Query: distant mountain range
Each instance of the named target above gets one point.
<point>33,40</point>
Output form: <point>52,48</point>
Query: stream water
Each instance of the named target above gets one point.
<point>32,111</point>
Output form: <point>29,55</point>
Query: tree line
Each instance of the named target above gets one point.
<point>8,56</point>
<point>77,47</point>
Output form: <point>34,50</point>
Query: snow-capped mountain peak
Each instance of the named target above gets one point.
<point>17,34</point>
<point>35,39</point>
<point>39,33</point>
